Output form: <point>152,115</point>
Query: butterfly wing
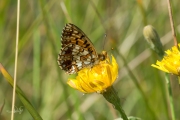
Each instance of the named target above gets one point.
<point>77,50</point>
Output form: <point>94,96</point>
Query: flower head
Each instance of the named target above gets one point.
<point>96,79</point>
<point>170,62</point>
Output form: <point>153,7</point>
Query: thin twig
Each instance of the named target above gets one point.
<point>172,23</point>
<point>16,57</point>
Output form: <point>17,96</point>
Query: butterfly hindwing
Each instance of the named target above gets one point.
<point>77,50</point>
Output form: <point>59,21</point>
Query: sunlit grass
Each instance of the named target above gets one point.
<point>44,83</point>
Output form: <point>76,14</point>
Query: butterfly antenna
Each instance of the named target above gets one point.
<point>105,36</point>
<point>110,50</point>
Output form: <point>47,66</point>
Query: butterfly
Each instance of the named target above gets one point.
<point>77,50</point>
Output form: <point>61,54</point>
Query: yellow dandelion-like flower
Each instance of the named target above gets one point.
<point>96,79</point>
<point>170,62</point>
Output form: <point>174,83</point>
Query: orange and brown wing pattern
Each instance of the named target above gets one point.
<point>77,50</point>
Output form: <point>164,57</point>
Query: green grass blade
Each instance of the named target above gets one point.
<point>20,94</point>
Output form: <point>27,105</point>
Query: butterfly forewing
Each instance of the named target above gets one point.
<point>77,50</point>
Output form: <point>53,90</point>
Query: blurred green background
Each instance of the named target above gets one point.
<point>44,83</point>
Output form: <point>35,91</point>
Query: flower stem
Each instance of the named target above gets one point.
<point>171,103</point>
<point>112,97</point>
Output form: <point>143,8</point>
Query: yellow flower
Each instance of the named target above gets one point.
<point>96,79</point>
<point>170,62</point>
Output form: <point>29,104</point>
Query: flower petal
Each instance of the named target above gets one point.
<point>171,62</point>
<point>96,79</point>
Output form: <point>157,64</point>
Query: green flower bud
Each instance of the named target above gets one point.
<point>153,39</point>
